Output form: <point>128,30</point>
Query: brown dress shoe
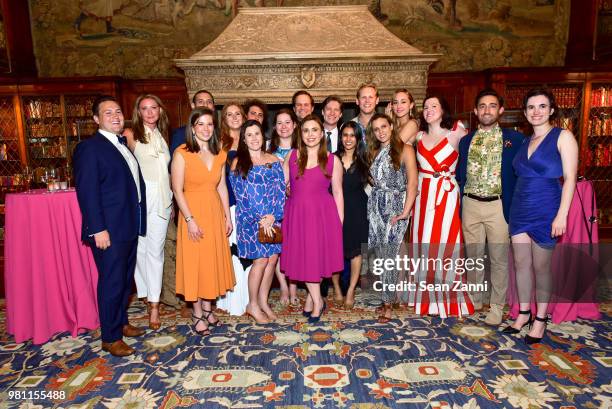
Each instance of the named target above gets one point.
<point>132,331</point>
<point>117,348</point>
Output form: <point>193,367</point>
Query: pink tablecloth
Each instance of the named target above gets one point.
<point>50,275</point>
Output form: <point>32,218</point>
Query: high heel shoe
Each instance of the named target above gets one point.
<point>258,321</point>
<point>206,315</point>
<point>534,340</point>
<point>314,320</point>
<point>151,307</point>
<point>306,314</point>
<point>511,330</point>
<point>204,332</point>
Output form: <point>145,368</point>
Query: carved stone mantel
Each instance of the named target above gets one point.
<point>271,52</point>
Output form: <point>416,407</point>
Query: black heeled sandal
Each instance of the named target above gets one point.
<point>314,320</point>
<point>534,340</point>
<point>208,313</point>
<point>204,332</point>
<point>511,330</point>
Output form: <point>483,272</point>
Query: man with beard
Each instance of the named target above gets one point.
<point>486,178</point>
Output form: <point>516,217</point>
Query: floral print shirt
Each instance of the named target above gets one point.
<point>484,163</point>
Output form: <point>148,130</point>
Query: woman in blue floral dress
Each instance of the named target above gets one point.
<point>259,186</point>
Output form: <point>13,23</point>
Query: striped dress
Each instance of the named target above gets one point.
<point>436,235</point>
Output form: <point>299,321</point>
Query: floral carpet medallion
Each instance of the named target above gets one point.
<point>349,359</point>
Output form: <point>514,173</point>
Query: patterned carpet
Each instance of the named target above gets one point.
<point>348,360</point>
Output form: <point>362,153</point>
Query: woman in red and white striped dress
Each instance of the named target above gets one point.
<point>436,226</point>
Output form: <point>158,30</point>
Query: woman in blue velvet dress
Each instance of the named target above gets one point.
<point>259,186</point>
<point>540,205</point>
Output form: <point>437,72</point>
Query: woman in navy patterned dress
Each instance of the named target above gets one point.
<point>259,186</point>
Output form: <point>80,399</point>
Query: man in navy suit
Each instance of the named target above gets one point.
<point>331,109</point>
<point>332,114</point>
<point>487,180</point>
<point>111,195</point>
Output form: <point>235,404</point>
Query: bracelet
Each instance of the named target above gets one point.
<point>188,219</point>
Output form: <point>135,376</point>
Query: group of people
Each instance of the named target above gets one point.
<point>334,192</point>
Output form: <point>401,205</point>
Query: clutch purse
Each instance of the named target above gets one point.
<point>275,238</point>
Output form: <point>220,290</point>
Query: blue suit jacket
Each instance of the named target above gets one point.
<point>178,138</point>
<point>106,192</point>
<point>512,142</point>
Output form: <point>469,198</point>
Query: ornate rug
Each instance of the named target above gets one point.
<point>348,360</point>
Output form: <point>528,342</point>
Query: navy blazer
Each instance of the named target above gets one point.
<point>512,142</point>
<point>106,192</point>
<point>177,139</point>
<point>338,125</point>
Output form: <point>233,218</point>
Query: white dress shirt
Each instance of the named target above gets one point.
<point>333,135</point>
<point>127,155</point>
<point>153,158</point>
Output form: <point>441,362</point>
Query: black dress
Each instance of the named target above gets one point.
<point>355,227</point>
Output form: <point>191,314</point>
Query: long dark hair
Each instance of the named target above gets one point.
<point>244,163</point>
<point>447,116</point>
<point>275,138</point>
<point>137,124</point>
<point>303,152</point>
<point>360,159</point>
<point>396,144</point>
<point>214,145</point>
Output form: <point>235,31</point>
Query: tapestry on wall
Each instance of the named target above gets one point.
<point>140,39</point>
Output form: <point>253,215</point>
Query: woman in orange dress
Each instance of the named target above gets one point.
<point>203,260</point>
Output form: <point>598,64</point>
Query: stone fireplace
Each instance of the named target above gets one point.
<point>269,53</point>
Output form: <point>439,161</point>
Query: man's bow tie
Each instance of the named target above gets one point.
<point>122,139</point>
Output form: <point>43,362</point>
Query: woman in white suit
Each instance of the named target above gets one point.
<point>147,140</point>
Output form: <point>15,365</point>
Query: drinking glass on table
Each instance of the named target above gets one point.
<point>28,175</point>
<point>68,174</point>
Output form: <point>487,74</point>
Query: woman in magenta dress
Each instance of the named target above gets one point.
<point>312,226</point>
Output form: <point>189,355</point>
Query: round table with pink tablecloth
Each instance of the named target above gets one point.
<point>50,275</point>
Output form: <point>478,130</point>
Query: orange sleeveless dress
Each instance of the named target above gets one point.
<point>204,268</point>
